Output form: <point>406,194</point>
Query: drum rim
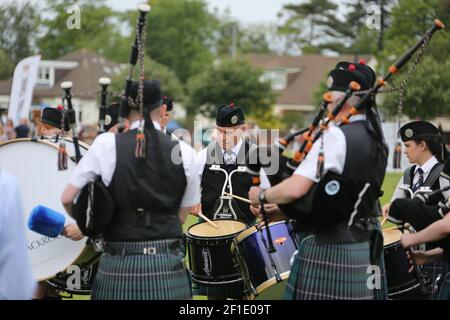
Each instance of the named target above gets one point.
<point>395,293</point>
<point>85,250</point>
<point>269,282</point>
<point>54,145</point>
<point>394,242</point>
<point>231,235</point>
<point>250,231</point>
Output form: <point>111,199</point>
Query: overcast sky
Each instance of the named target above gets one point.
<point>247,11</point>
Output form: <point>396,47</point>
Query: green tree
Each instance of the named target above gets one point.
<point>426,94</point>
<point>170,84</point>
<point>100,30</point>
<point>254,38</point>
<point>306,22</point>
<point>317,25</point>
<point>6,66</point>
<point>179,33</point>
<point>17,30</point>
<point>231,80</point>
<point>410,19</point>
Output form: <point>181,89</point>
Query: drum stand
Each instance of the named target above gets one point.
<point>228,211</point>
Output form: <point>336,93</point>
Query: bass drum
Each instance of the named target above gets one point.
<point>34,164</point>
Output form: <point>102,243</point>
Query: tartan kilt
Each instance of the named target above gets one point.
<point>329,271</point>
<point>160,276</point>
<point>444,291</point>
<point>382,293</point>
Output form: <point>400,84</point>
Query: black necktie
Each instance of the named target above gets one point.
<point>419,182</point>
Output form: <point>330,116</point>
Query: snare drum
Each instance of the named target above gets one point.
<point>401,283</point>
<point>210,259</point>
<point>266,273</point>
<point>34,164</point>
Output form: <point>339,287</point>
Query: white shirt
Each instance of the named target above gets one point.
<point>16,279</point>
<point>100,160</point>
<point>202,157</point>
<point>426,167</point>
<point>334,148</point>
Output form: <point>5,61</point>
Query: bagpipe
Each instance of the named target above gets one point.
<point>319,125</point>
<point>137,52</point>
<point>104,83</point>
<point>94,207</point>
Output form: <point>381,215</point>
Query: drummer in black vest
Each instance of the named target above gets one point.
<point>335,208</point>
<point>143,246</point>
<point>230,152</point>
<point>425,149</point>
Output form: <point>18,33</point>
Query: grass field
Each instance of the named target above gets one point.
<point>390,182</point>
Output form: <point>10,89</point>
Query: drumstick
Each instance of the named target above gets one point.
<point>391,228</point>
<point>384,220</point>
<point>207,220</point>
<point>237,197</point>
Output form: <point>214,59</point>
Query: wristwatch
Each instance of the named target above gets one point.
<point>262,196</point>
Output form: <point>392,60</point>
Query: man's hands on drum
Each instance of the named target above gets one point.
<point>72,232</point>
<point>253,195</point>
<point>385,210</point>
<point>273,212</point>
<point>196,209</point>
<point>417,257</point>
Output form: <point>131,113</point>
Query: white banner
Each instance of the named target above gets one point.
<point>25,76</point>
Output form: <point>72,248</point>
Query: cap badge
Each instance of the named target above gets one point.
<point>107,120</point>
<point>330,82</point>
<point>234,119</point>
<point>409,133</point>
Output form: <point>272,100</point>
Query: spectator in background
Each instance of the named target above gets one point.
<point>3,136</point>
<point>16,279</point>
<point>9,130</point>
<point>23,129</point>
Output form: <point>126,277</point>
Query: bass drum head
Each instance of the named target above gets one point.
<point>34,165</point>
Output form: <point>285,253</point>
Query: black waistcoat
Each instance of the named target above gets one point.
<point>331,201</point>
<point>138,183</point>
<point>213,181</point>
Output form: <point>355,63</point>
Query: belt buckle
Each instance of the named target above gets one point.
<point>149,251</point>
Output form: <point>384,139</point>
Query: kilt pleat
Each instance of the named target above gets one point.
<point>382,293</point>
<point>330,271</point>
<point>160,276</point>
